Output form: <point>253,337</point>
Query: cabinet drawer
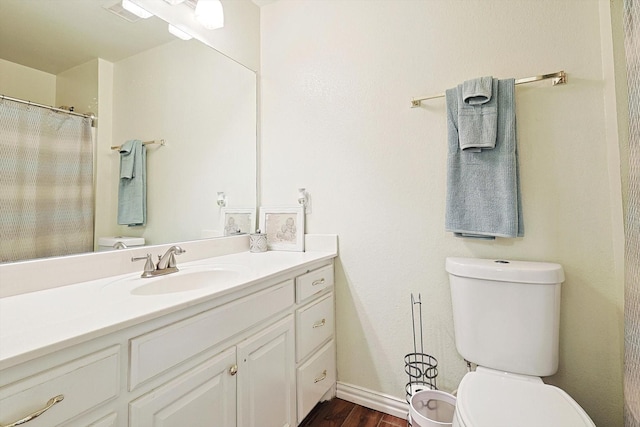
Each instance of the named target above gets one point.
<point>314,325</point>
<point>164,348</point>
<point>85,383</point>
<point>315,378</point>
<point>313,282</point>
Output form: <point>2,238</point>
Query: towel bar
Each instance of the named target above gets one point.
<point>559,78</point>
<point>156,141</point>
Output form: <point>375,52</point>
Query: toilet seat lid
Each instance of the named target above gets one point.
<point>497,400</point>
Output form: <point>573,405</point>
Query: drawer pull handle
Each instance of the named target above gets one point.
<point>36,414</point>
<point>233,370</point>
<point>321,377</point>
<point>319,324</point>
<point>318,282</point>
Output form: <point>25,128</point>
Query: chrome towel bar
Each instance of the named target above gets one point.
<point>558,78</point>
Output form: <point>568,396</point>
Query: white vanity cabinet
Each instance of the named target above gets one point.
<point>249,384</point>
<point>315,338</point>
<point>247,381</point>
<point>261,356</point>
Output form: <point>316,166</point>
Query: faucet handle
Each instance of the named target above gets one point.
<point>149,267</point>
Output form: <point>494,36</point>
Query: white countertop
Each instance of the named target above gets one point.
<point>38,323</point>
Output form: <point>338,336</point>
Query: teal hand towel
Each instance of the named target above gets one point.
<point>477,91</point>
<point>132,186</point>
<point>483,188</point>
<point>478,120</point>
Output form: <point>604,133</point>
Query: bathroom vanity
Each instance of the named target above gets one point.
<point>254,346</point>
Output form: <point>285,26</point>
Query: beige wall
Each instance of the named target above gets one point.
<point>337,79</point>
<point>18,81</point>
<point>106,167</point>
<point>78,87</point>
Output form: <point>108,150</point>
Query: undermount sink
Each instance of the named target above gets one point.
<point>188,279</point>
<point>183,281</point>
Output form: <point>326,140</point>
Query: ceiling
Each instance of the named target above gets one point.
<point>55,35</point>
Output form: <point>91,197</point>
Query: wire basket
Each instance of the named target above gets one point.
<point>421,368</point>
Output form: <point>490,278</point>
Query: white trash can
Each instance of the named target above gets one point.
<point>432,408</point>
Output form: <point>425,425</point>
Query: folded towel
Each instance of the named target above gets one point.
<point>127,160</point>
<point>477,91</point>
<point>132,187</point>
<point>477,123</point>
<point>483,188</point>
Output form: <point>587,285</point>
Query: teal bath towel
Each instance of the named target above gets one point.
<point>483,188</point>
<point>132,188</point>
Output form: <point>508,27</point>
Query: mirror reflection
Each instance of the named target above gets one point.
<point>199,102</point>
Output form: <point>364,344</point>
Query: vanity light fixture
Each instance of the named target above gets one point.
<point>304,200</point>
<point>210,14</point>
<point>222,199</point>
<point>135,9</point>
<point>179,33</point>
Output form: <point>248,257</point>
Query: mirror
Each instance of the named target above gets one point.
<point>143,84</point>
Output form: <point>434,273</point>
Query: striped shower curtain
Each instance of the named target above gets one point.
<point>46,183</point>
<point>632,232</point>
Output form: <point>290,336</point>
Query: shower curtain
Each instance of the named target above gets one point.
<point>46,182</point>
<point>632,232</point>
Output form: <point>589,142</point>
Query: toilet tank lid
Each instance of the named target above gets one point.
<point>506,270</point>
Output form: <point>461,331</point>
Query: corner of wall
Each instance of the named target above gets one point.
<point>616,122</point>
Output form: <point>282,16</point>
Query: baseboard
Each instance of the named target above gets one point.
<point>373,400</point>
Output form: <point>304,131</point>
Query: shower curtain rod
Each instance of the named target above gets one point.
<point>558,78</point>
<point>60,110</point>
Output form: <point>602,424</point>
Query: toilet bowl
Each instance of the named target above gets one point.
<point>488,398</point>
<point>506,317</point>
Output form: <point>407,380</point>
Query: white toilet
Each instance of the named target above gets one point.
<point>506,319</point>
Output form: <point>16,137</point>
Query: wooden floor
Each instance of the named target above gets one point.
<point>340,413</point>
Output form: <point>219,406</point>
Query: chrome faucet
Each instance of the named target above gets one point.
<point>168,260</point>
<point>166,263</point>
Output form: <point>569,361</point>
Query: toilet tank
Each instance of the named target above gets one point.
<point>506,314</point>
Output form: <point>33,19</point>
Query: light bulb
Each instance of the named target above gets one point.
<point>210,14</point>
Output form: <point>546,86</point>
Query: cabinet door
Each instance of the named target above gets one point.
<point>266,377</point>
<point>202,397</point>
